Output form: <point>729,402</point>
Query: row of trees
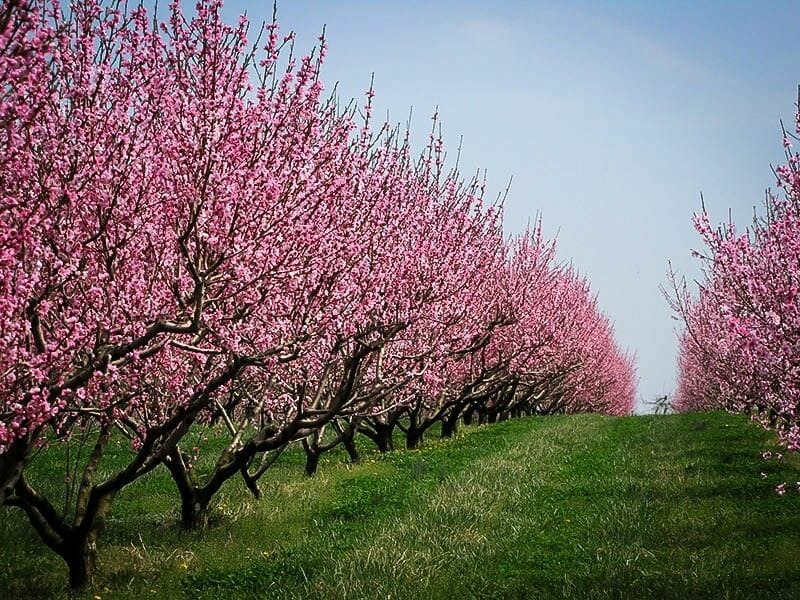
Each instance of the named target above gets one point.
<point>195,241</point>
<point>740,349</point>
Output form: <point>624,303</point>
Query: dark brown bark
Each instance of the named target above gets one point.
<point>76,544</point>
<point>350,446</point>
<point>385,440</point>
<point>80,554</point>
<point>12,464</point>
<point>267,460</point>
<point>346,435</point>
<point>450,426</point>
<point>468,417</point>
<point>194,503</point>
<point>312,458</point>
<point>381,434</point>
<point>413,437</point>
<point>239,455</point>
<point>194,515</point>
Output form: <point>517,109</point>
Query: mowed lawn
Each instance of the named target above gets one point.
<point>568,506</point>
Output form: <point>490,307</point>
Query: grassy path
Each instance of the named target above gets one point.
<point>573,506</point>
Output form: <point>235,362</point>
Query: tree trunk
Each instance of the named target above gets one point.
<point>80,554</point>
<point>469,415</point>
<point>194,508</point>
<point>381,435</point>
<point>251,483</point>
<point>385,439</point>
<point>78,547</point>
<point>350,446</point>
<point>12,462</point>
<point>194,513</point>
<point>413,438</point>
<point>312,457</point>
<point>450,426</point>
<point>312,461</point>
<point>194,502</point>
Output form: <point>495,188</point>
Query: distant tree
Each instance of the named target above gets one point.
<point>662,405</point>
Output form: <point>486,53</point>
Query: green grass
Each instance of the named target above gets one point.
<point>573,506</point>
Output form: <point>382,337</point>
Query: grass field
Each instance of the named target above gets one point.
<point>568,506</point>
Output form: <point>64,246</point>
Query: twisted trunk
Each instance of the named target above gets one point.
<point>312,458</point>
<point>12,464</point>
<point>350,446</point>
<point>381,434</point>
<point>79,551</point>
<point>76,544</point>
<point>194,504</point>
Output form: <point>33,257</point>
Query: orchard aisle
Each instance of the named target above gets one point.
<point>579,505</point>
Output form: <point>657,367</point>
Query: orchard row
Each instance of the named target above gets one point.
<point>740,350</point>
<point>196,241</point>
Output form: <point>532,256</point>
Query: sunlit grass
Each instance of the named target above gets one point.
<point>574,506</point>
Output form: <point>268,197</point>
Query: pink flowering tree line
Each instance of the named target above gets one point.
<point>740,348</point>
<point>196,241</point>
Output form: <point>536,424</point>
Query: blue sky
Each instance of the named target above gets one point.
<point>611,118</point>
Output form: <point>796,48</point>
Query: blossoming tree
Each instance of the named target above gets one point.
<point>740,349</point>
<point>195,242</point>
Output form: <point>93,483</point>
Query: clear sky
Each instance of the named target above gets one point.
<point>611,118</point>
